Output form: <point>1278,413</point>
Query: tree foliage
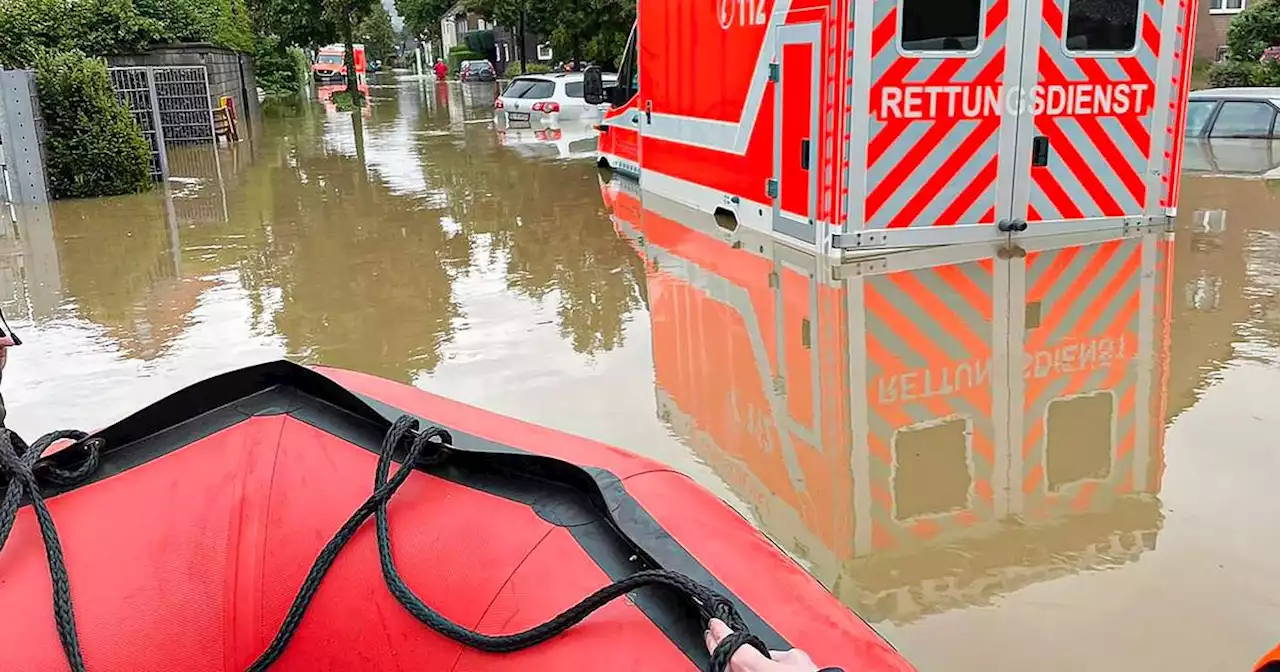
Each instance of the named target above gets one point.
<point>1251,33</point>
<point>422,17</point>
<point>93,146</point>
<point>28,27</point>
<point>104,27</point>
<point>279,68</point>
<point>294,22</point>
<point>579,30</point>
<point>377,34</point>
<point>1253,30</point>
<point>345,16</point>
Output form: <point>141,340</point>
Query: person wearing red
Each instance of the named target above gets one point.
<point>441,69</point>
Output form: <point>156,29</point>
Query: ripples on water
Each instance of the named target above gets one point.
<point>890,450</point>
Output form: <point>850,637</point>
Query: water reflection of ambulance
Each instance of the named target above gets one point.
<point>868,124</point>
<point>924,430</point>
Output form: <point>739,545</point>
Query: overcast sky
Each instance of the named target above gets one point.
<point>396,21</point>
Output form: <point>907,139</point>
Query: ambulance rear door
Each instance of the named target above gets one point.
<point>931,149</point>
<point>1095,100</point>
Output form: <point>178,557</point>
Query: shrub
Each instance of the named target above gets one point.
<point>1265,74</point>
<point>280,70</point>
<point>1253,30</point>
<point>459,54</point>
<point>92,145</point>
<point>1231,73</point>
<point>479,41</point>
<point>513,69</point>
<point>345,102</point>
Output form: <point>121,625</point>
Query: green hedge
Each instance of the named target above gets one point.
<point>459,54</point>
<point>479,41</point>
<point>1230,73</point>
<point>92,144</point>
<point>1244,73</point>
<point>513,69</point>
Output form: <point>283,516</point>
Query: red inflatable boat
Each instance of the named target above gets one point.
<point>195,536</point>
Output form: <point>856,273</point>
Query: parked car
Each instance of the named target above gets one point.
<point>1246,112</point>
<point>1233,132</point>
<point>477,71</point>
<point>546,100</point>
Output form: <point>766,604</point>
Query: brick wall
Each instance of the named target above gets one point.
<point>1211,33</point>
<point>230,73</point>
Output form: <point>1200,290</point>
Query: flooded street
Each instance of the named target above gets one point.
<point>1055,459</point>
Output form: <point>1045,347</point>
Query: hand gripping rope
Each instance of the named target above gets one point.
<point>19,465</point>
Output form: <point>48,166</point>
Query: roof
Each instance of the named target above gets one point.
<point>1258,92</point>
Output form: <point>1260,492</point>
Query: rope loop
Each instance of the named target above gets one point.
<point>21,473</point>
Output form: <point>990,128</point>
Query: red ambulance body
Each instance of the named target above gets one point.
<point>842,125</point>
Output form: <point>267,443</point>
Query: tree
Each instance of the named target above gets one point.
<point>594,30</point>
<point>422,17</point>
<point>1253,30</point>
<point>377,34</point>
<point>345,15</point>
<point>295,22</point>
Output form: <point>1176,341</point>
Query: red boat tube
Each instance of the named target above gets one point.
<point>187,530</point>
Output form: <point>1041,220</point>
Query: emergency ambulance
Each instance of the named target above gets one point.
<point>840,126</point>
<point>909,426</point>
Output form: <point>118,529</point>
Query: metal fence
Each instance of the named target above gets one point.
<point>171,105</point>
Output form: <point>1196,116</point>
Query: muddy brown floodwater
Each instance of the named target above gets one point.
<point>1058,459</point>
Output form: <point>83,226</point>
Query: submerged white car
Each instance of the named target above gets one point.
<point>539,101</point>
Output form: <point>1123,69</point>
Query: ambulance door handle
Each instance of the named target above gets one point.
<point>648,111</point>
<point>1040,151</point>
<point>804,153</point>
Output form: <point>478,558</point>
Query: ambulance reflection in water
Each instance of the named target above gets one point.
<point>926,430</point>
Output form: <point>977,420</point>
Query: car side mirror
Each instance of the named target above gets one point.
<point>618,95</point>
<point>593,86</point>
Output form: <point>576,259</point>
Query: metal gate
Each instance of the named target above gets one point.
<point>170,104</point>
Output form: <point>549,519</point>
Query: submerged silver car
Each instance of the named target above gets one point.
<point>1233,131</point>
<point>534,101</point>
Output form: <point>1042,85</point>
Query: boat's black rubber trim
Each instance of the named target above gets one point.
<point>655,547</point>
<point>612,528</point>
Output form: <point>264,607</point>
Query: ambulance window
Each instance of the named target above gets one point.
<point>1240,119</point>
<point>629,70</point>
<point>1102,25</point>
<point>940,25</point>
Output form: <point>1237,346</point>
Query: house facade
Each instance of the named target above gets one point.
<point>457,22</point>
<point>1212,24</point>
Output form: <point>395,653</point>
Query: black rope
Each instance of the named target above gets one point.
<point>430,447</point>
<point>18,463</point>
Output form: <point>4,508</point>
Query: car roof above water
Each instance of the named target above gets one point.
<point>1245,92</point>
<point>566,77</point>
